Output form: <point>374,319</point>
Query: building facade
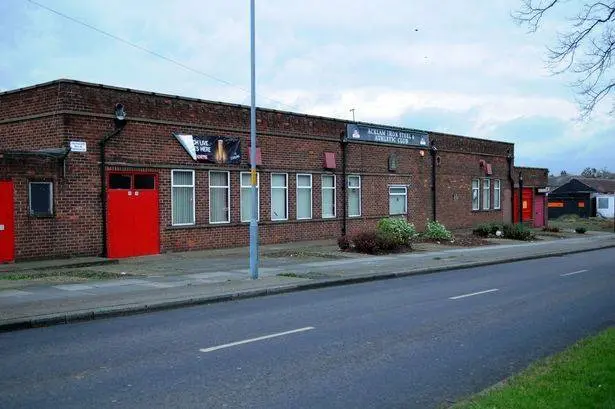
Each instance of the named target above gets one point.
<point>173,175</point>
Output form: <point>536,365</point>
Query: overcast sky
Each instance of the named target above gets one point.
<point>461,67</point>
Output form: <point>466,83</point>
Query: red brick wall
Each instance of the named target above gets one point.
<point>290,143</point>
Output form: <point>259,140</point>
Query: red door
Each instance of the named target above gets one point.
<point>132,215</point>
<point>539,211</point>
<point>527,207</point>
<point>7,226</point>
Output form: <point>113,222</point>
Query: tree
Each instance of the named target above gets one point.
<point>584,49</point>
<point>589,173</point>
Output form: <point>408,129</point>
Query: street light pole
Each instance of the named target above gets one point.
<point>254,218</point>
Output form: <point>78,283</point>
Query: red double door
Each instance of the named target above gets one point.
<point>7,222</point>
<point>526,205</point>
<point>133,226</point>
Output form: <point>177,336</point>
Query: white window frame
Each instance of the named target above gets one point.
<point>30,211</point>
<point>285,194</point>
<point>405,194</point>
<point>349,188</point>
<point>322,196</point>
<point>243,187</point>
<point>477,190</point>
<point>297,187</point>
<point>228,195</point>
<point>497,189</point>
<point>173,185</point>
<point>486,188</point>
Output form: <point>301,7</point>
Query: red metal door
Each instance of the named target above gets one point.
<point>539,211</point>
<point>527,207</point>
<point>132,216</point>
<point>7,224</point>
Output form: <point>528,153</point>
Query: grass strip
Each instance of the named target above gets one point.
<point>583,376</point>
<point>61,274</point>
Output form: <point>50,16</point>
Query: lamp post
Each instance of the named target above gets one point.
<point>520,198</point>
<point>253,219</point>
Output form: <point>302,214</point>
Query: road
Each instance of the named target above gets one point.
<point>411,342</point>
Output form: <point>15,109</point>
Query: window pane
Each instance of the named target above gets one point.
<point>328,203</point>
<point>354,202</point>
<point>118,181</point>
<point>145,181</point>
<point>397,190</point>
<point>183,178</point>
<point>475,184</point>
<point>304,180</point>
<point>397,201</point>
<point>304,203</point>
<point>183,205</point>
<point>278,204</point>
<point>40,198</point>
<point>218,205</point>
<point>603,203</point>
<point>486,194</point>
<point>218,179</point>
<point>245,180</point>
<point>246,203</point>
<point>353,181</point>
<point>278,180</point>
<point>328,181</point>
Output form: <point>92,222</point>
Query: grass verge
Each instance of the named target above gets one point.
<point>571,222</point>
<point>581,377</point>
<point>61,275</point>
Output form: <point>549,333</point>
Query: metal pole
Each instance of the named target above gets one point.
<point>254,218</point>
<point>520,198</point>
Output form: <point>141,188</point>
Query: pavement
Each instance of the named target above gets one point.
<point>173,280</point>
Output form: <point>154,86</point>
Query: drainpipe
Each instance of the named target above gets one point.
<point>433,151</point>
<point>520,198</point>
<point>344,144</point>
<point>119,122</point>
<point>511,180</point>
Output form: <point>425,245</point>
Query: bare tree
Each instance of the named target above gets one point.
<point>584,49</point>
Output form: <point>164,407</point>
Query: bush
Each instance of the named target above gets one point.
<point>551,229</point>
<point>437,231</point>
<point>517,232</point>
<point>366,242</point>
<point>487,229</point>
<point>343,242</point>
<point>580,230</point>
<point>395,230</point>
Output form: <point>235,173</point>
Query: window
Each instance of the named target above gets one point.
<point>486,194</point>
<point>496,194</point>
<point>182,201</point>
<point>219,197</point>
<point>398,199</point>
<point>279,196</point>
<point>354,196</point>
<point>144,181</point>
<point>246,197</point>
<point>304,196</point>
<point>603,203</point>
<point>41,198</point>
<point>119,181</point>
<point>475,194</point>
<point>328,196</point>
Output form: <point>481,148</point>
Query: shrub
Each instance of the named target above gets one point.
<point>517,232</point>
<point>551,229</point>
<point>366,242</point>
<point>437,231</point>
<point>487,229</point>
<point>343,242</point>
<point>387,243</point>
<point>395,230</point>
<point>580,230</point>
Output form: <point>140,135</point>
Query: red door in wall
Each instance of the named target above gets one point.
<point>527,205</point>
<point>539,211</point>
<point>132,215</point>
<point>7,224</point>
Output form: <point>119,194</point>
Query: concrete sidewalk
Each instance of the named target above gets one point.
<point>181,279</point>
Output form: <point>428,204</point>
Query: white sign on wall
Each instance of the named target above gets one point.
<point>78,146</point>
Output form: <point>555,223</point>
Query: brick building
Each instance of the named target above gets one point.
<point>160,191</point>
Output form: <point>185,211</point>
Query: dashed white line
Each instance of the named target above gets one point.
<point>246,341</point>
<point>473,294</point>
<point>573,273</point>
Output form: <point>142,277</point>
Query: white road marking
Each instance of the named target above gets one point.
<point>73,287</point>
<point>573,273</point>
<point>246,341</point>
<point>473,294</point>
<point>13,293</point>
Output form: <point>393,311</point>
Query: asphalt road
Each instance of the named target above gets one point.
<point>411,342</point>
